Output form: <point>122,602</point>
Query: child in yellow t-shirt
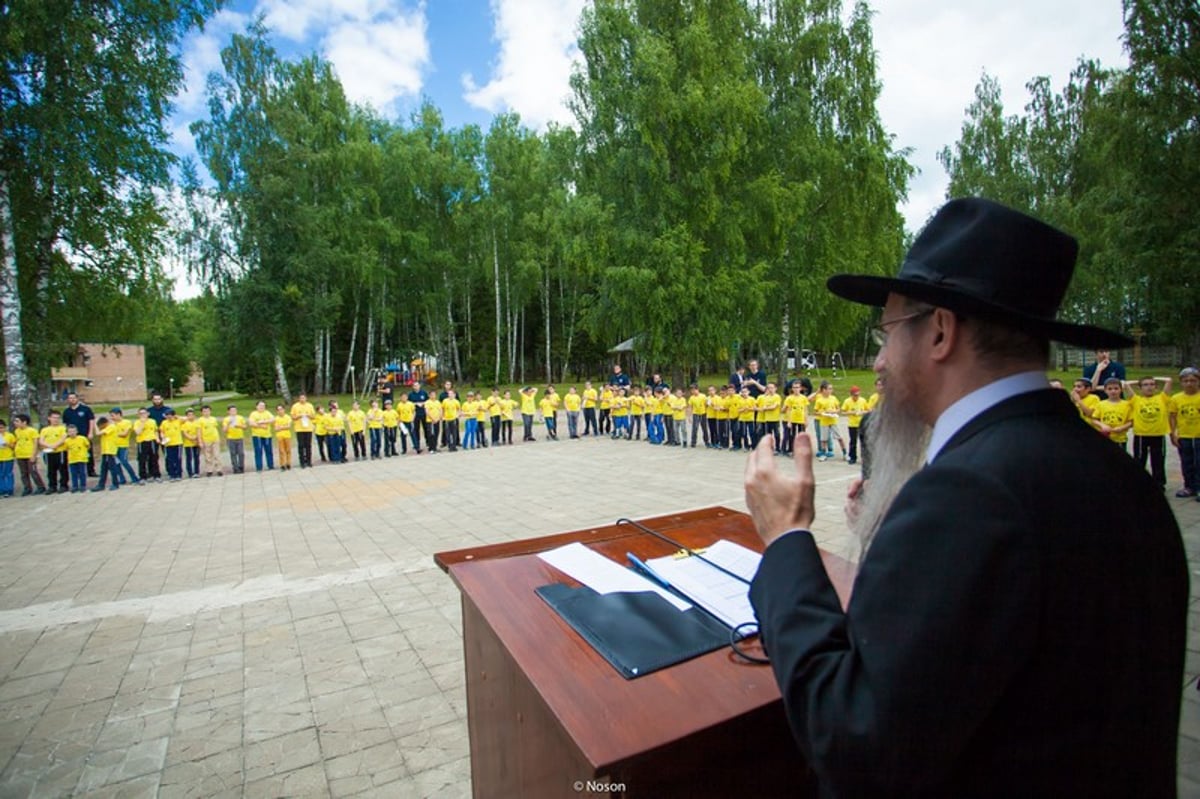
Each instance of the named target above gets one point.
<point>170,434</point>
<point>234,425</point>
<point>77,457</point>
<point>1185,431</point>
<point>795,415</point>
<point>1151,424</point>
<point>548,407</point>
<point>191,444</point>
<point>375,429</point>
<point>210,442</point>
<point>698,409</point>
<point>589,410</point>
<point>283,437</point>
<point>26,455</point>
<point>508,407</point>
<point>8,443</point>
<point>451,408</point>
<point>826,410</point>
<point>107,432</point>
<point>855,407</point>
<point>262,425</point>
<point>1115,414</point>
<point>145,434</point>
<point>637,411</point>
<point>528,409</point>
<point>356,424</point>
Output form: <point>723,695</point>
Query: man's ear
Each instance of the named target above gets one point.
<point>946,334</point>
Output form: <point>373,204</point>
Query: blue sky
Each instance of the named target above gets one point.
<point>475,58</point>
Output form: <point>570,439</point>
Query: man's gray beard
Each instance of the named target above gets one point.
<point>897,440</point>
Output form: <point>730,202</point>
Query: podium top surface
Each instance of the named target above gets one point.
<point>610,719</point>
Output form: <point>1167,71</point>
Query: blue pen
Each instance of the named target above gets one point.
<point>644,568</point>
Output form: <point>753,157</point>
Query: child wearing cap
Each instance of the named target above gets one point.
<point>1185,431</point>
<point>855,407</point>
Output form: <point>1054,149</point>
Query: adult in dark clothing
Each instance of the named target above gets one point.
<point>618,378</point>
<point>656,382</point>
<point>1101,370</point>
<point>997,642</point>
<point>79,414</point>
<point>806,385</point>
<point>736,379</point>
<point>755,379</point>
<point>418,396</point>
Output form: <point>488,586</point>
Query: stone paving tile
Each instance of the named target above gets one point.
<point>289,635</point>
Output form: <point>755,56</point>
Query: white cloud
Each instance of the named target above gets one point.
<point>381,59</point>
<point>538,46</point>
<point>932,55</point>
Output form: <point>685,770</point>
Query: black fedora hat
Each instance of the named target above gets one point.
<point>985,260</point>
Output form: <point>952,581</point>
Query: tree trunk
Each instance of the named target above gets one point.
<point>281,376</point>
<point>546,314</point>
<point>350,357</point>
<point>453,363</point>
<point>496,283</point>
<point>318,358</point>
<point>10,309</point>
<point>369,355</point>
<point>328,364</point>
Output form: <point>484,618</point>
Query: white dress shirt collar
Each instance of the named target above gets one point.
<point>967,408</point>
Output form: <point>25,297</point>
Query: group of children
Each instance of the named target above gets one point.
<point>1146,409</point>
<point>188,445</point>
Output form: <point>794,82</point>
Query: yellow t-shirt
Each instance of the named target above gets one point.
<point>678,407</point>
<point>450,409</point>
<point>235,427</point>
<point>1186,408</point>
<point>507,406</point>
<point>746,409</point>
<point>51,433</point>
<point>375,419</point>
<point>210,430</point>
<point>1087,408</point>
<point>874,400</point>
<point>699,404</point>
<point>407,411</point>
<point>77,449</point>
<point>717,407</point>
<point>391,418</point>
<point>108,440</point>
<point>637,405</point>
<point>356,420</point>
<point>572,402</point>
<point>769,406</point>
<point>191,432</point>
<point>795,408</point>
<point>826,408</point>
<point>7,444</point>
<point>171,431</point>
<point>528,403</point>
<point>320,423</point>
<point>305,416</point>
<point>547,405</point>
<point>149,431</point>
<point>733,406</point>
<point>1150,415</point>
<point>620,406</point>
<point>27,442</point>
<point>855,408</point>
<point>481,412</point>
<point>433,411</point>
<point>606,398</point>
<point>335,422</point>
<point>470,409</point>
<point>261,423</point>
<point>495,405</point>
<point>124,428</point>
<point>1115,414</point>
<point>589,398</point>
<point>283,425</point>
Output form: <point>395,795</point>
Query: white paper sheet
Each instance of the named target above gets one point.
<point>602,575</point>
<point>721,595</point>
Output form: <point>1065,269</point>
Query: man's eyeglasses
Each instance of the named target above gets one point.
<point>879,332</point>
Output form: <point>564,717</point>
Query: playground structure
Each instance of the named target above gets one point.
<point>421,368</point>
<point>810,361</point>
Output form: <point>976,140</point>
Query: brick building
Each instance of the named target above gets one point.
<point>102,373</point>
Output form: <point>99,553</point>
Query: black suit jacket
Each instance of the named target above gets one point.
<point>1017,627</point>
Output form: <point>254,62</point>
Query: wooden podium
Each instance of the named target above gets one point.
<point>548,716</point>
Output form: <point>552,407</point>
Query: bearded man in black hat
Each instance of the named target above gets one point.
<point>997,642</point>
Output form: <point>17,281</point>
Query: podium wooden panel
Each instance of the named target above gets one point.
<point>548,716</point>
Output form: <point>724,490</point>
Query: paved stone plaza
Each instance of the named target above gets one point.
<point>287,634</point>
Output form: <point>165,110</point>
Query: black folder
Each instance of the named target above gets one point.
<point>636,631</point>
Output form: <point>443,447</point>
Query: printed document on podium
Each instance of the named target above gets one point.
<point>721,595</point>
